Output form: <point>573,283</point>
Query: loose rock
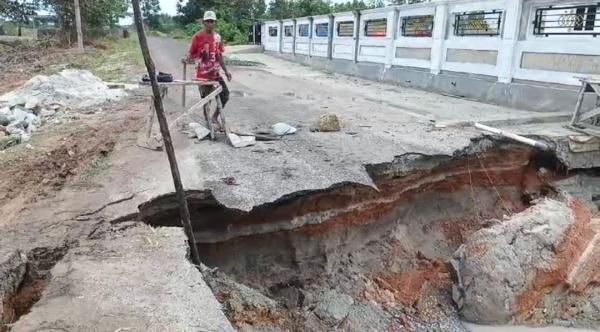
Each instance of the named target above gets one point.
<point>366,317</point>
<point>519,269</point>
<point>327,123</point>
<point>333,307</point>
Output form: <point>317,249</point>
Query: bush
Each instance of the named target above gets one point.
<point>191,29</point>
<point>228,31</point>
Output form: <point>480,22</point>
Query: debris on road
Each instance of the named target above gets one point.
<point>281,129</point>
<point>327,123</point>
<point>241,141</point>
<point>518,138</point>
<point>230,181</point>
<point>197,130</point>
<point>23,110</point>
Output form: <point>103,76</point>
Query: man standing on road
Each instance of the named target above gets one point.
<point>207,51</point>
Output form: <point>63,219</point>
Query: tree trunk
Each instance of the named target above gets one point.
<point>78,26</point>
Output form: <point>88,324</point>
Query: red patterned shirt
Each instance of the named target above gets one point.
<point>205,49</point>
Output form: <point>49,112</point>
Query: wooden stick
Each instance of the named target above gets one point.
<point>183,87</point>
<point>197,105</point>
<point>575,118</point>
<point>164,129</point>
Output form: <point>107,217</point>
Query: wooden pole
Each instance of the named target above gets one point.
<point>183,87</point>
<point>164,130</point>
<point>78,26</point>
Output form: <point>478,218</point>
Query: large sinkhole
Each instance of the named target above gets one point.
<point>325,257</point>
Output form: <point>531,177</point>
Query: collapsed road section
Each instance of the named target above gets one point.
<point>400,256</point>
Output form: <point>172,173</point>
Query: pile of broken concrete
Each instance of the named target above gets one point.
<point>25,109</point>
<point>539,267</point>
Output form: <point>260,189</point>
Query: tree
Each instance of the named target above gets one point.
<point>280,9</point>
<point>151,12</point>
<point>18,11</point>
<point>350,6</point>
<point>235,16</point>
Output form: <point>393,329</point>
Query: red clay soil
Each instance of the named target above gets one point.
<point>589,270</point>
<point>19,303</point>
<point>567,254</point>
<point>500,168</point>
<point>406,287</point>
<point>456,231</point>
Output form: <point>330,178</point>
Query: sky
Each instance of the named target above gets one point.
<point>169,6</point>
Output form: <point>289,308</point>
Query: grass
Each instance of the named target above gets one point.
<point>94,174</point>
<point>113,60</point>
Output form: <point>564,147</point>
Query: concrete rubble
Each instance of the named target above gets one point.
<point>327,122</point>
<point>24,110</point>
<point>538,267</point>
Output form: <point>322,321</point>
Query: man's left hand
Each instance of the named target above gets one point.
<point>228,74</point>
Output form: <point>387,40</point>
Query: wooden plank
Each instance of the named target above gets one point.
<point>181,82</point>
<point>578,104</point>
<point>199,104</point>
<point>589,114</point>
<point>585,129</point>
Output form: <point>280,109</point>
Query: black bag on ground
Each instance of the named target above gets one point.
<point>161,77</point>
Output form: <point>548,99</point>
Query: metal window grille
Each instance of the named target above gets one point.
<point>303,30</point>
<point>345,29</point>
<point>376,28</point>
<point>273,31</point>
<point>322,29</point>
<point>417,26</point>
<point>567,20</point>
<point>478,23</point>
<point>288,31</point>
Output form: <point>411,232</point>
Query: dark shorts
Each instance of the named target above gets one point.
<point>205,90</point>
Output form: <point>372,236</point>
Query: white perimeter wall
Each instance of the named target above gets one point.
<point>303,43</point>
<point>320,45</point>
<point>271,42</point>
<point>515,54</point>
<point>376,49</point>
<point>287,42</point>
<point>343,47</point>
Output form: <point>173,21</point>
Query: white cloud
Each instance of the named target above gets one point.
<point>169,6</point>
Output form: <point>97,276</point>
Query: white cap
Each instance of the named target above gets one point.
<point>209,15</point>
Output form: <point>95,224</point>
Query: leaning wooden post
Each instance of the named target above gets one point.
<point>164,130</point>
<point>184,78</point>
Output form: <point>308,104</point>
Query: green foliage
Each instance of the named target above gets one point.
<point>17,10</point>
<point>281,9</point>
<point>191,29</point>
<point>234,16</point>
<point>151,13</point>
<point>231,33</point>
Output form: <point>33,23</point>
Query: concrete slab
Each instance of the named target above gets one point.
<point>88,290</point>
